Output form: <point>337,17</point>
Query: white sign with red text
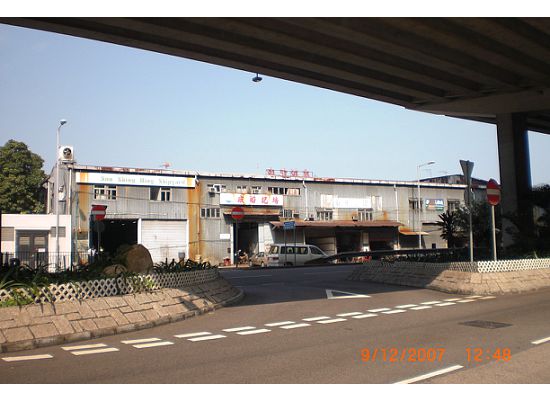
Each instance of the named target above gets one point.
<point>230,199</point>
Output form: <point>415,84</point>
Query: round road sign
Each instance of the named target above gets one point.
<point>237,213</point>
<point>493,192</point>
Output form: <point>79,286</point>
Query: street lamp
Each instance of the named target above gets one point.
<point>56,195</point>
<point>418,200</point>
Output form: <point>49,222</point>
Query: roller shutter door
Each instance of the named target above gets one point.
<point>164,239</point>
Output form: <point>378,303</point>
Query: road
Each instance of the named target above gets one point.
<point>311,325</point>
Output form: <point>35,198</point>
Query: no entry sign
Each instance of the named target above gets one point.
<point>98,212</point>
<point>493,192</point>
<point>237,213</point>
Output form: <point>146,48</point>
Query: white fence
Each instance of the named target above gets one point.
<point>477,266</point>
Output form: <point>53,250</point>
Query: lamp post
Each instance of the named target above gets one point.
<point>56,195</point>
<point>418,200</point>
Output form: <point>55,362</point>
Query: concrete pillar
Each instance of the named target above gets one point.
<point>515,169</point>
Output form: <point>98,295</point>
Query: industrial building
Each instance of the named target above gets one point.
<point>184,214</point>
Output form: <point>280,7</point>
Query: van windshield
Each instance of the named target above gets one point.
<point>274,250</point>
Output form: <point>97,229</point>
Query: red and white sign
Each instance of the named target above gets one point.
<point>237,213</point>
<point>244,199</point>
<point>493,192</point>
<point>98,212</point>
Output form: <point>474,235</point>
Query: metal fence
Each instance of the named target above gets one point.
<point>52,261</point>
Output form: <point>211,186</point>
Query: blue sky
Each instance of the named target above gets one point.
<point>128,107</point>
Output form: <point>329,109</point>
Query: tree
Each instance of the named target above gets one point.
<point>21,179</point>
<point>450,230</point>
<point>481,227</point>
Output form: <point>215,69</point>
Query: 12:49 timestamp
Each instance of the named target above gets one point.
<point>478,354</point>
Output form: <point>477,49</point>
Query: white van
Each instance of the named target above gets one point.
<point>289,255</point>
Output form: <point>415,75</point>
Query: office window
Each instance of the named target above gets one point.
<point>293,192</point>
<point>104,192</point>
<point>324,215</point>
<point>453,205</point>
<point>210,213</point>
<point>364,214</point>
<point>284,191</point>
<point>256,189</point>
<point>241,189</point>
<point>287,213</point>
<point>160,194</point>
<point>413,205</point>
<point>276,190</point>
<point>216,188</point>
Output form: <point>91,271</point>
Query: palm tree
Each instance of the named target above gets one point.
<point>450,229</point>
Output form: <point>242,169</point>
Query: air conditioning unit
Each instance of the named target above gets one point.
<point>66,154</point>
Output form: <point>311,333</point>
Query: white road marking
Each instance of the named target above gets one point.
<point>294,326</point>
<point>89,346</point>
<point>254,332</point>
<point>431,374</point>
<point>379,309</point>
<point>466,301</point>
<point>430,302</point>
<point>280,323</point>
<point>314,319</point>
<point>393,311</point>
<point>487,297</point>
<point>453,299</point>
<point>187,335</point>
<point>331,296</point>
<point>241,328</point>
<point>406,306</point>
<point>198,339</point>
<point>25,358</point>
<point>421,308</point>
<point>140,341</point>
<point>349,314</point>
<point>473,297</point>
<point>365,316</point>
<point>444,304</point>
<point>543,340</point>
<point>331,321</point>
<point>96,351</point>
<point>154,344</point>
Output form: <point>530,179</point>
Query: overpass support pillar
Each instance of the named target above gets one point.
<point>515,170</point>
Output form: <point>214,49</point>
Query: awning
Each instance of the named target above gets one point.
<point>256,211</point>
<point>341,224</point>
<point>409,232</point>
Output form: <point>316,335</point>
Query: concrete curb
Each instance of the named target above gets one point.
<point>97,333</point>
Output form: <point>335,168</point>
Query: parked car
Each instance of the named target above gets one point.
<point>281,255</point>
<point>258,259</point>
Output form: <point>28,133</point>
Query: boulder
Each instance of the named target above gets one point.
<point>136,258</point>
<point>114,270</point>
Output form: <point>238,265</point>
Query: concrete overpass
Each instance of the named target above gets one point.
<point>493,70</point>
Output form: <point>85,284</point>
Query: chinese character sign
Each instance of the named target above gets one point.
<point>251,199</point>
<point>293,173</point>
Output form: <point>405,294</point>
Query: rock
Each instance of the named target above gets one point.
<point>136,259</point>
<point>114,270</point>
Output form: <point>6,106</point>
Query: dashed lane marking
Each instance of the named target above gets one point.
<point>331,321</point>
<point>349,314</point>
<point>280,323</point>
<point>543,340</point>
<point>95,351</point>
<point>314,319</point>
<point>444,304</point>
<point>254,332</point>
<point>421,308</point>
<point>431,374</point>
<point>213,337</point>
<point>393,311</point>
<point>88,346</point>
<point>379,309</point>
<point>406,306</point>
<point>466,301</point>
<point>188,335</point>
<point>453,299</point>
<point>27,358</point>
<point>295,326</point>
<point>487,297</point>
<point>430,302</point>
<point>473,297</point>
<point>137,341</point>
<point>153,344</point>
<point>241,328</point>
<point>364,316</point>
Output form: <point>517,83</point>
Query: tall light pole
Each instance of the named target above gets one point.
<point>418,200</point>
<point>56,195</point>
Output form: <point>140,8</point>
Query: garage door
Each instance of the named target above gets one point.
<point>164,239</point>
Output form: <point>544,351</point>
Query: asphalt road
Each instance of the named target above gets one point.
<point>310,325</point>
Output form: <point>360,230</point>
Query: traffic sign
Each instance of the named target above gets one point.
<point>237,213</point>
<point>493,192</point>
<point>98,212</point>
<point>467,168</point>
<point>289,225</point>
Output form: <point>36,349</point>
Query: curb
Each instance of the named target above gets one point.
<point>97,333</point>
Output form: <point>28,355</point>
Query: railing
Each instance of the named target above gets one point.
<point>67,260</point>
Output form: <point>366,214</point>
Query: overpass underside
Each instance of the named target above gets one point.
<point>493,70</point>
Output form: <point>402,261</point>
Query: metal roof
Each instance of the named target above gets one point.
<point>470,68</point>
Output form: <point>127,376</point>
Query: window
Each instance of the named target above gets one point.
<point>324,215</point>
<point>284,191</point>
<point>315,250</point>
<point>160,194</point>
<point>216,188</point>
<point>301,250</point>
<point>276,190</point>
<point>413,204</point>
<point>256,189</point>
<point>286,213</point>
<point>453,205</point>
<point>210,213</point>
<point>364,214</point>
<point>241,189</point>
<point>293,192</point>
<point>104,192</point>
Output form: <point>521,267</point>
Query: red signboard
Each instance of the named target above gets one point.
<point>98,212</point>
<point>237,213</point>
<point>493,192</point>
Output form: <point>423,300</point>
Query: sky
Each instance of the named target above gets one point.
<point>134,108</point>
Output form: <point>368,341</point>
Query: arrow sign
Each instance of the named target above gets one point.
<point>348,295</point>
